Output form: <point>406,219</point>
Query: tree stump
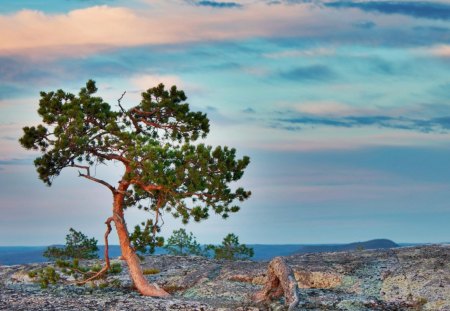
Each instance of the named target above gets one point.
<point>280,280</point>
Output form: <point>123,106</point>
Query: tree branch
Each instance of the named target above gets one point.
<point>148,188</point>
<point>87,168</point>
<point>158,206</point>
<point>110,156</point>
<point>100,181</point>
<point>120,100</point>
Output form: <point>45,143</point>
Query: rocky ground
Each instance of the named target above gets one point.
<point>414,278</point>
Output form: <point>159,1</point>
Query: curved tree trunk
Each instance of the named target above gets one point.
<point>129,255</point>
<point>280,280</point>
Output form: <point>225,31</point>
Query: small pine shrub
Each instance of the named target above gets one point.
<point>62,263</point>
<point>231,249</point>
<point>115,268</point>
<point>45,276</point>
<point>32,274</point>
<point>115,283</point>
<point>75,263</point>
<point>103,285</point>
<point>78,245</point>
<point>181,243</point>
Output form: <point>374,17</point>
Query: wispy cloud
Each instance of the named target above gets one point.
<point>313,73</point>
<point>249,110</point>
<point>143,82</point>
<point>328,108</point>
<point>218,4</point>
<point>22,161</point>
<point>421,9</point>
<point>364,24</point>
<point>96,29</point>
<point>439,124</point>
<point>322,51</point>
<point>419,118</point>
<point>440,51</point>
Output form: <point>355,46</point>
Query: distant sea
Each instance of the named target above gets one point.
<point>13,255</point>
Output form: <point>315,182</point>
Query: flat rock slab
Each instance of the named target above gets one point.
<point>410,278</point>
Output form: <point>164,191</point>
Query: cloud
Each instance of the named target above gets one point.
<point>302,53</point>
<point>306,120</point>
<point>16,161</point>
<point>221,5</point>
<point>249,110</point>
<point>9,138</point>
<point>440,51</point>
<point>328,109</point>
<point>364,24</point>
<point>80,30</point>
<point>53,6</point>
<point>94,29</point>
<point>420,9</point>
<point>441,124</point>
<point>425,118</point>
<point>9,91</point>
<point>144,82</point>
<point>19,76</point>
<point>313,73</point>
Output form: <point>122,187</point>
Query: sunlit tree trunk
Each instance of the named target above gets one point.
<point>129,255</point>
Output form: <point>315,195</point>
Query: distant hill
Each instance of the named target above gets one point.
<point>372,244</point>
<point>268,251</point>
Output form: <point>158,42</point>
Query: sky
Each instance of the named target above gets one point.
<point>342,106</point>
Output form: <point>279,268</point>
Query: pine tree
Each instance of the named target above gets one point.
<point>163,170</point>
<point>231,249</point>
<point>181,243</point>
<point>78,246</point>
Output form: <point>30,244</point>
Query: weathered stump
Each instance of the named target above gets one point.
<point>280,280</point>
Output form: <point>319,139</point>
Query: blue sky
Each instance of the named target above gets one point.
<point>343,107</point>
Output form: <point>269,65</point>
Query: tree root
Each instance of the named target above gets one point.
<point>280,280</point>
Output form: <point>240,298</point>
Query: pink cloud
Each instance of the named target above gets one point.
<point>96,28</point>
<point>441,51</point>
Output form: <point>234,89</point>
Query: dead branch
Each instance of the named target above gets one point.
<point>120,100</point>
<point>100,181</point>
<point>88,176</point>
<point>108,264</point>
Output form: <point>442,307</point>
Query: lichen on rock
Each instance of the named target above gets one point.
<point>404,279</point>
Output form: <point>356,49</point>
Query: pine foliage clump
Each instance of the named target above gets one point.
<point>182,244</point>
<point>231,249</point>
<point>78,246</point>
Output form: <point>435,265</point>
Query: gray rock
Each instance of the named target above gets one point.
<point>402,279</point>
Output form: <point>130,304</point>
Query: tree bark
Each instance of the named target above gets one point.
<point>108,265</point>
<point>129,255</point>
<point>280,280</point>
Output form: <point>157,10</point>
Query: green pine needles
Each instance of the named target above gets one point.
<point>181,243</point>
<point>231,249</point>
<point>78,246</point>
<point>164,170</point>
